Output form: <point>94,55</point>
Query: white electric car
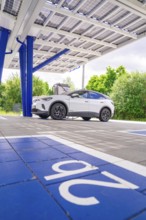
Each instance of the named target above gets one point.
<point>81,103</point>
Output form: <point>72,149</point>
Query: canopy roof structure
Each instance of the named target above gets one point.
<point>88,28</point>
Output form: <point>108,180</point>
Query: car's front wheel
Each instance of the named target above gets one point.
<point>105,115</point>
<point>86,118</point>
<point>58,111</point>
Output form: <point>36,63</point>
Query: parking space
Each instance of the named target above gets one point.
<point>45,177</point>
<point>72,169</point>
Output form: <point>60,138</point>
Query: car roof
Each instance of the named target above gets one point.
<point>84,90</point>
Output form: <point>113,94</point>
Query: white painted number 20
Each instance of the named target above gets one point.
<point>64,187</point>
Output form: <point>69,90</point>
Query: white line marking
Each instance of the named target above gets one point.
<point>3,118</point>
<point>133,132</point>
<point>130,166</point>
<point>136,168</point>
<point>130,122</point>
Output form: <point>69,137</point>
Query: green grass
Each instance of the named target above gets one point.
<point>130,119</point>
<point>4,113</point>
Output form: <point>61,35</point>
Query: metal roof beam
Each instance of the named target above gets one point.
<point>18,25</point>
<point>136,5</point>
<point>45,53</point>
<point>89,20</point>
<point>91,28</point>
<point>62,23</point>
<point>62,46</point>
<point>138,28</point>
<point>119,38</point>
<point>80,4</point>
<point>125,43</point>
<point>48,18</point>
<point>74,35</point>
<point>2,4</point>
<point>99,33</point>
<point>132,22</point>
<point>133,6</point>
<point>26,17</point>
<point>76,26</point>
<point>60,3</point>
<point>58,63</point>
<point>111,14</point>
<point>97,7</point>
<point>52,13</point>
<point>109,36</point>
<point>122,18</point>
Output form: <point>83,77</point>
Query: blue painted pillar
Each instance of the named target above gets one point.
<point>22,57</point>
<point>4,34</point>
<point>51,59</point>
<point>29,74</point>
<point>27,70</point>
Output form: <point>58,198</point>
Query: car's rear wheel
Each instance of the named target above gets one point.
<point>44,116</point>
<point>105,115</point>
<point>58,111</point>
<point>86,118</point>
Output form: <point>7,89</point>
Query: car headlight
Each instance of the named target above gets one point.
<point>47,98</point>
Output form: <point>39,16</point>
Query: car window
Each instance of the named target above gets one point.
<point>95,95</point>
<point>82,94</point>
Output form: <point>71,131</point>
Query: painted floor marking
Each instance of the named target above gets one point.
<point>46,177</point>
<point>3,118</point>
<point>138,132</point>
<point>136,168</point>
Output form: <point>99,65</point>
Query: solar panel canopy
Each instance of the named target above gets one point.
<point>88,28</point>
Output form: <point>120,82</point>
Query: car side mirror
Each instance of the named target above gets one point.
<point>75,95</point>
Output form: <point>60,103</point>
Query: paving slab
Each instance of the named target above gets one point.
<point>48,177</point>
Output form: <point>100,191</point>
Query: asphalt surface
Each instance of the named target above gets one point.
<point>126,140</point>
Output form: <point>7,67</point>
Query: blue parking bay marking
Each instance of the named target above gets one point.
<point>138,132</point>
<point>50,178</point>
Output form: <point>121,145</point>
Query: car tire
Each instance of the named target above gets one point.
<point>58,111</point>
<point>44,116</point>
<point>105,114</point>
<point>86,118</point>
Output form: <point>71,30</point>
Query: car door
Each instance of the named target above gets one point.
<point>79,102</point>
<point>96,101</point>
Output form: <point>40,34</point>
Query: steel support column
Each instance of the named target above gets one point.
<point>4,34</point>
<point>29,74</point>
<point>22,57</point>
<point>83,76</point>
<point>26,70</point>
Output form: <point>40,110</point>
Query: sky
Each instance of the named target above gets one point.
<point>132,57</point>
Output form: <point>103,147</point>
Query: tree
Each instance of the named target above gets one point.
<point>129,96</point>
<point>121,71</point>
<point>10,91</point>
<point>40,87</point>
<point>2,89</point>
<point>69,82</point>
<point>104,83</point>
